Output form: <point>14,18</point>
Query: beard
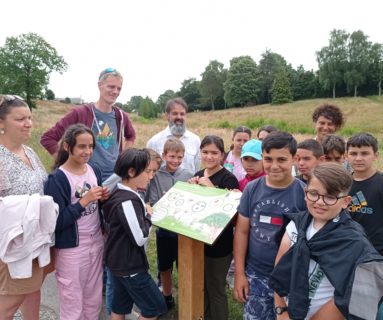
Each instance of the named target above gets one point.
<point>177,128</point>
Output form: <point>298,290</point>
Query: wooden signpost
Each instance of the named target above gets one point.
<point>190,278</point>
<point>199,215</point>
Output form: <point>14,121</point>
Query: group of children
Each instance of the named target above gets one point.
<point>263,170</point>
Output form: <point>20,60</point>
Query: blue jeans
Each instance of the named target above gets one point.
<point>139,289</point>
<point>108,292</point>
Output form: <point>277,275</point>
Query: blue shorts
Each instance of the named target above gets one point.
<point>141,290</point>
<point>167,252</point>
<point>260,303</point>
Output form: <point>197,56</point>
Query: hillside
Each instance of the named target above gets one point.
<point>362,114</point>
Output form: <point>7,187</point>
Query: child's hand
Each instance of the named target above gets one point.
<point>105,194</point>
<point>205,181</point>
<point>94,194</point>
<point>149,209</point>
<point>235,190</point>
<point>193,180</point>
<point>241,287</point>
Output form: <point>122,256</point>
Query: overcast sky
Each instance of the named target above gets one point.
<point>156,44</point>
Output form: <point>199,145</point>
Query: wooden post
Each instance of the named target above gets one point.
<point>190,278</point>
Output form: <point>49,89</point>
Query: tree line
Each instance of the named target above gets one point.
<point>350,65</point>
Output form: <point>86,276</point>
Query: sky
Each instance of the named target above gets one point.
<point>156,44</point>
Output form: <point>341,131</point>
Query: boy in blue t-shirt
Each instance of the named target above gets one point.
<point>260,219</point>
<point>167,242</point>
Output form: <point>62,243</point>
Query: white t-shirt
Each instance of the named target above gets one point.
<point>320,288</point>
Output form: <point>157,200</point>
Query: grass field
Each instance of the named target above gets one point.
<point>362,114</point>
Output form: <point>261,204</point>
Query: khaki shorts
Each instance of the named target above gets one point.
<point>9,286</point>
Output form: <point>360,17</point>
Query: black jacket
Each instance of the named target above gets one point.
<point>129,228</point>
<point>339,248</point>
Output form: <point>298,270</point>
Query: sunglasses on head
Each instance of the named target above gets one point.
<point>8,98</point>
<point>107,71</point>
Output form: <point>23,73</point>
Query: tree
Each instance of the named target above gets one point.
<point>303,84</point>
<point>358,61</point>
<point>376,65</point>
<point>241,86</point>
<point>281,90</point>
<point>49,94</point>
<point>332,61</point>
<point>190,92</point>
<point>134,103</point>
<point>211,85</point>
<point>269,66</point>
<point>26,63</point>
<point>163,98</point>
<point>147,109</point>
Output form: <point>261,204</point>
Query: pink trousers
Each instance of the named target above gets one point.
<point>79,278</point>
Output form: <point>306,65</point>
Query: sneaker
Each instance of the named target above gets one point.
<point>170,302</point>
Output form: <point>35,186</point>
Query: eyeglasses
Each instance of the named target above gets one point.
<point>8,98</point>
<point>328,199</point>
<point>107,71</point>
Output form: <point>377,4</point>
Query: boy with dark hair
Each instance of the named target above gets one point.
<point>167,242</point>
<point>251,157</point>
<point>260,220</point>
<point>367,189</point>
<point>309,155</point>
<point>334,148</point>
<point>129,225</point>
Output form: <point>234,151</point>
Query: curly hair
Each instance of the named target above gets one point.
<point>331,112</point>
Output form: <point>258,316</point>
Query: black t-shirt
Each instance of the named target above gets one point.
<point>367,207</point>
<point>223,246</point>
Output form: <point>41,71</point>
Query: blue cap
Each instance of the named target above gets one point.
<point>252,148</point>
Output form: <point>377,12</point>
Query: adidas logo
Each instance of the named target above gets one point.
<point>359,204</point>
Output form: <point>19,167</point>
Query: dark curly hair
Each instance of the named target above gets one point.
<point>331,112</point>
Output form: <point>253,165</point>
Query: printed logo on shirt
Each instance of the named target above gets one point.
<point>80,192</point>
<point>105,138</point>
<point>359,204</point>
<point>267,219</point>
<point>271,220</point>
<point>315,280</point>
<point>229,166</point>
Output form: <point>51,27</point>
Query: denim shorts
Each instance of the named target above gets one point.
<point>141,290</point>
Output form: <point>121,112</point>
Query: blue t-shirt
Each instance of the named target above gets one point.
<point>264,206</point>
<point>106,152</point>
